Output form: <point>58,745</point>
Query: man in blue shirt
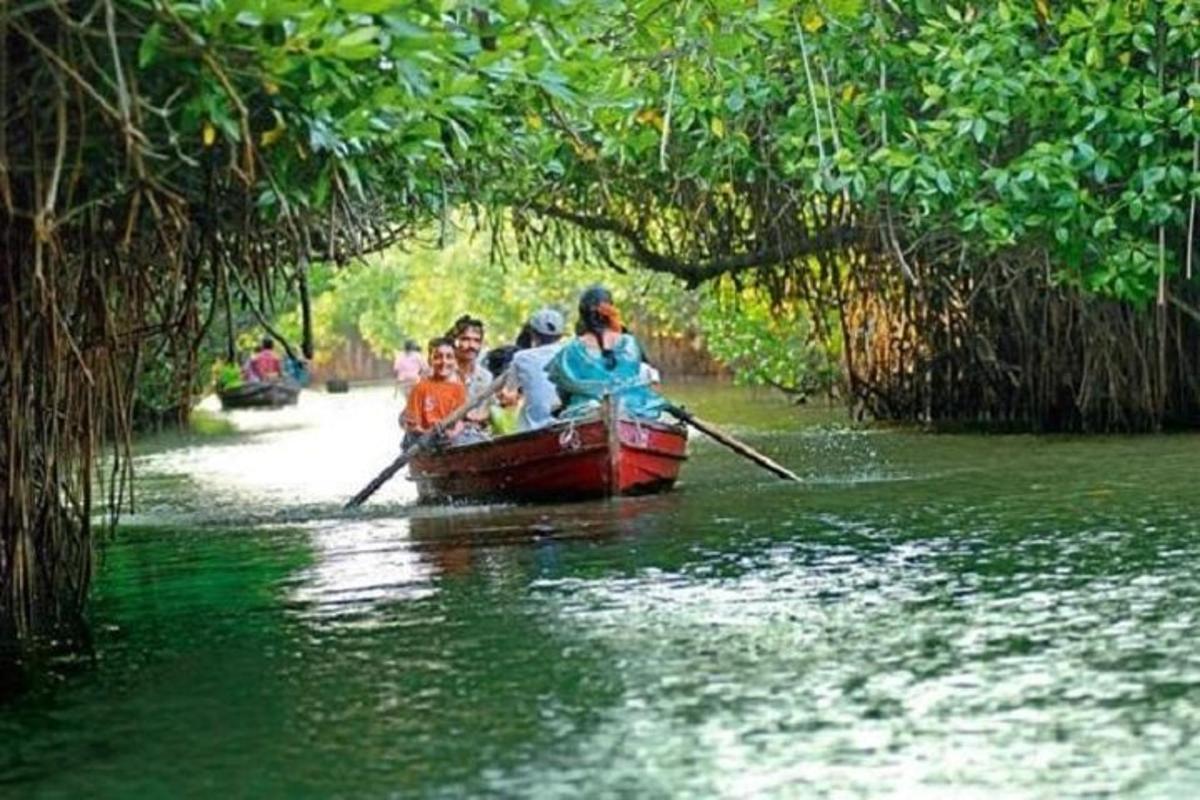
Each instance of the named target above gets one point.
<point>529,367</point>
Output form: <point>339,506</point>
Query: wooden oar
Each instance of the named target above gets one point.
<point>427,439</point>
<point>733,444</point>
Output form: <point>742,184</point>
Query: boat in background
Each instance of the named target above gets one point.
<point>274,394</point>
<point>603,456</point>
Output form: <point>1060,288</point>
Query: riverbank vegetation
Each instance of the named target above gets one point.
<point>396,296</point>
<point>976,211</point>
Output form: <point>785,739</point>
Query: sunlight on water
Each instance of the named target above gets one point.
<point>926,616</point>
<point>317,453</point>
<point>357,565</point>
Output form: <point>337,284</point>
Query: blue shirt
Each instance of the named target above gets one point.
<point>540,395</point>
<point>585,377</point>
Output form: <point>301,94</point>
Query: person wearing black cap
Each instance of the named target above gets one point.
<point>546,328</point>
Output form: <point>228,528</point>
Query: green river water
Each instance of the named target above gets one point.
<point>929,616</point>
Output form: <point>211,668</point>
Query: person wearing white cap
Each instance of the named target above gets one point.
<point>546,328</point>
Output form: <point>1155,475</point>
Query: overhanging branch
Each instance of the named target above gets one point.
<point>695,273</point>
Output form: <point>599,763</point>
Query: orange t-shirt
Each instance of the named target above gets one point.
<point>432,400</point>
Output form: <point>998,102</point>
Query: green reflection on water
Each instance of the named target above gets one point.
<point>928,616</point>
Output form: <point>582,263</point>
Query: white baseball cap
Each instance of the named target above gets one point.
<point>547,322</point>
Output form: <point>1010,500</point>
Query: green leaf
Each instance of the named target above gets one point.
<point>368,6</point>
<point>1104,225</point>
<point>943,182</point>
<point>359,44</point>
<point>150,43</point>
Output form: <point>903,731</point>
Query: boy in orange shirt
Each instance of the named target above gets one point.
<point>436,397</point>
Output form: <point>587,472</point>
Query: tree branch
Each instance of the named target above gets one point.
<point>695,273</point>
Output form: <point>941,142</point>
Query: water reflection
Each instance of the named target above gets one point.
<point>356,566</point>
<point>360,567</point>
<point>927,617</point>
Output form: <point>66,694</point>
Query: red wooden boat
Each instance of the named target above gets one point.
<point>596,457</point>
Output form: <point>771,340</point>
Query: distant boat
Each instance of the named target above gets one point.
<point>597,457</point>
<point>273,394</point>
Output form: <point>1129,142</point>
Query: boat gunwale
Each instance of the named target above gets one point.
<point>455,450</point>
<point>543,449</point>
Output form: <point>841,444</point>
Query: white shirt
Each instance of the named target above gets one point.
<point>541,396</point>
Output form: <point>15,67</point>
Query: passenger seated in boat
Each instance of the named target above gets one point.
<point>545,330</point>
<point>434,397</point>
<point>248,374</point>
<point>264,364</point>
<point>467,334</point>
<point>296,370</point>
<point>601,360</point>
<point>502,412</point>
<point>227,375</point>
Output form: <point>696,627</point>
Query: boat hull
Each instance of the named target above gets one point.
<point>260,395</point>
<point>570,461</point>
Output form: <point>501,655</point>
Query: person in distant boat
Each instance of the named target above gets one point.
<point>408,367</point>
<point>545,330</point>
<point>247,362</point>
<point>503,411</point>
<point>601,360</point>
<point>264,364</point>
<point>227,375</point>
<point>436,396</point>
<point>296,370</point>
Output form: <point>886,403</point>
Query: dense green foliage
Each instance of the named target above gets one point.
<point>396,295</point>
<point>903,179</point>
<point>716,138</point>
<point>723,129</point>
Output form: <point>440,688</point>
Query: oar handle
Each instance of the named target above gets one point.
<point>428,438</point>
<point>739,447</point>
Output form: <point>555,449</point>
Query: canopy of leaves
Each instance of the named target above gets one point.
<point>721,137</point>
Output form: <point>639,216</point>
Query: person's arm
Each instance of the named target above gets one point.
<point>458,401</point>
<point>410,417</point>
<point>481,416</point>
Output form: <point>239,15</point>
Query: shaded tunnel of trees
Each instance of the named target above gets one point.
<point>988,212</point>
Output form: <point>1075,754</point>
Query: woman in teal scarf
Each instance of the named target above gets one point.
<point>601,360</point>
